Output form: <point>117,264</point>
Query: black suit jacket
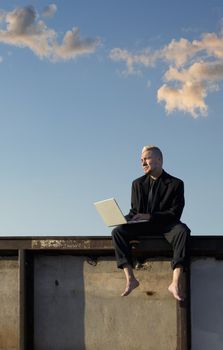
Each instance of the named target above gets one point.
<point>168,202</point>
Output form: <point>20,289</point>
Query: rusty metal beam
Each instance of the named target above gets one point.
<point>200,245</point>
<point>154,246</point>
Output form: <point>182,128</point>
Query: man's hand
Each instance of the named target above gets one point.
<point>139,216</point>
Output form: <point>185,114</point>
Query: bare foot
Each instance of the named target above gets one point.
<point>174,289</point>
<point>130,286</point>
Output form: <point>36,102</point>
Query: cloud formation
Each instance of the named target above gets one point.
<point>145,58</point>
<point>23,28</point>
<point>195,68</point>
<point>50,10</point>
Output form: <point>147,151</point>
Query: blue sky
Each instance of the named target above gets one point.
<point>84,85</point>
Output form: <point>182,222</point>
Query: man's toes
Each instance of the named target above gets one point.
<point>130,288</point>
<point>175,291</point>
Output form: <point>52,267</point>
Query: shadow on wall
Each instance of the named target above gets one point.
<point>207,304</point>
<point>59,303</point>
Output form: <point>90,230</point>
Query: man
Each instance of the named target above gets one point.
<point>158,200</point>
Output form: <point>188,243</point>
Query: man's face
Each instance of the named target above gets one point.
<point>151,163</point>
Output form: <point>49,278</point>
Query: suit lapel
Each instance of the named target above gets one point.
<point>145,191</point>
<point>162,187</point>
<point>160,190</point>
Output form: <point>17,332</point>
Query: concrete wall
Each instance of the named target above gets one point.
<point>77,305</point>
<point>9,314</point>
<point>207,304</point>
<point>53,296</point>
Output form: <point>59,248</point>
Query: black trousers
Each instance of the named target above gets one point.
<point>178,236</point>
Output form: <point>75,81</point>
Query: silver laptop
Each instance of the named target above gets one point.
<point>111,213</point>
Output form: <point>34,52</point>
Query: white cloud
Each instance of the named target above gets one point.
<point>212,44</point>
<point>50,10</point>
<point>74,46</point>
<point>199,71</point>
<point>188,98</point>
<point>144,58</point>
<point>2,15</point>
<point>178,52</point>
<point>195,69</point>
<point>23,29</point>
<point>194,83</point>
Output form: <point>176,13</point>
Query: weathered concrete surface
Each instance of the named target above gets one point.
<point>145,320</point>
<point>58,303</point>
<point>9,317</point>
<point>77,305</point>
<point>207,304</point>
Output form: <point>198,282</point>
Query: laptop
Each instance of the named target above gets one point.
<point>111,213</point>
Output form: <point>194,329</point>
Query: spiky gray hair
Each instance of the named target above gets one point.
<point>154,149</point>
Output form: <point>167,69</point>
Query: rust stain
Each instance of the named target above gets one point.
<point>9,338</point>
<point>60,244</point>
<point>150,292</point>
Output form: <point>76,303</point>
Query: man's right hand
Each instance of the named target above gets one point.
<point>140,216</point>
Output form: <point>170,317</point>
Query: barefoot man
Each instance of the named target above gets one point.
<point>156,206</point>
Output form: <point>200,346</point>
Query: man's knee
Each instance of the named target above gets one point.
<point>186,233</point>
<point>117,231</point>
<point>114,232</point>
<point>182,229</point>
<point>178,233</point>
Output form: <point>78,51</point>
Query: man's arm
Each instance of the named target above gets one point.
<point>171,212</point>
<point>134,204</point>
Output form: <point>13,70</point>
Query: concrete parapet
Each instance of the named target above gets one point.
<point>64,293</point>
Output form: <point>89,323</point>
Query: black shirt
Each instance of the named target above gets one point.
<point>153,186</point>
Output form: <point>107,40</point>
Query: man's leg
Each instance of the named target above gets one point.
<point>131,281</point>
<point>178,236</point>
<point>175,287</point>
<point>121,236</point>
